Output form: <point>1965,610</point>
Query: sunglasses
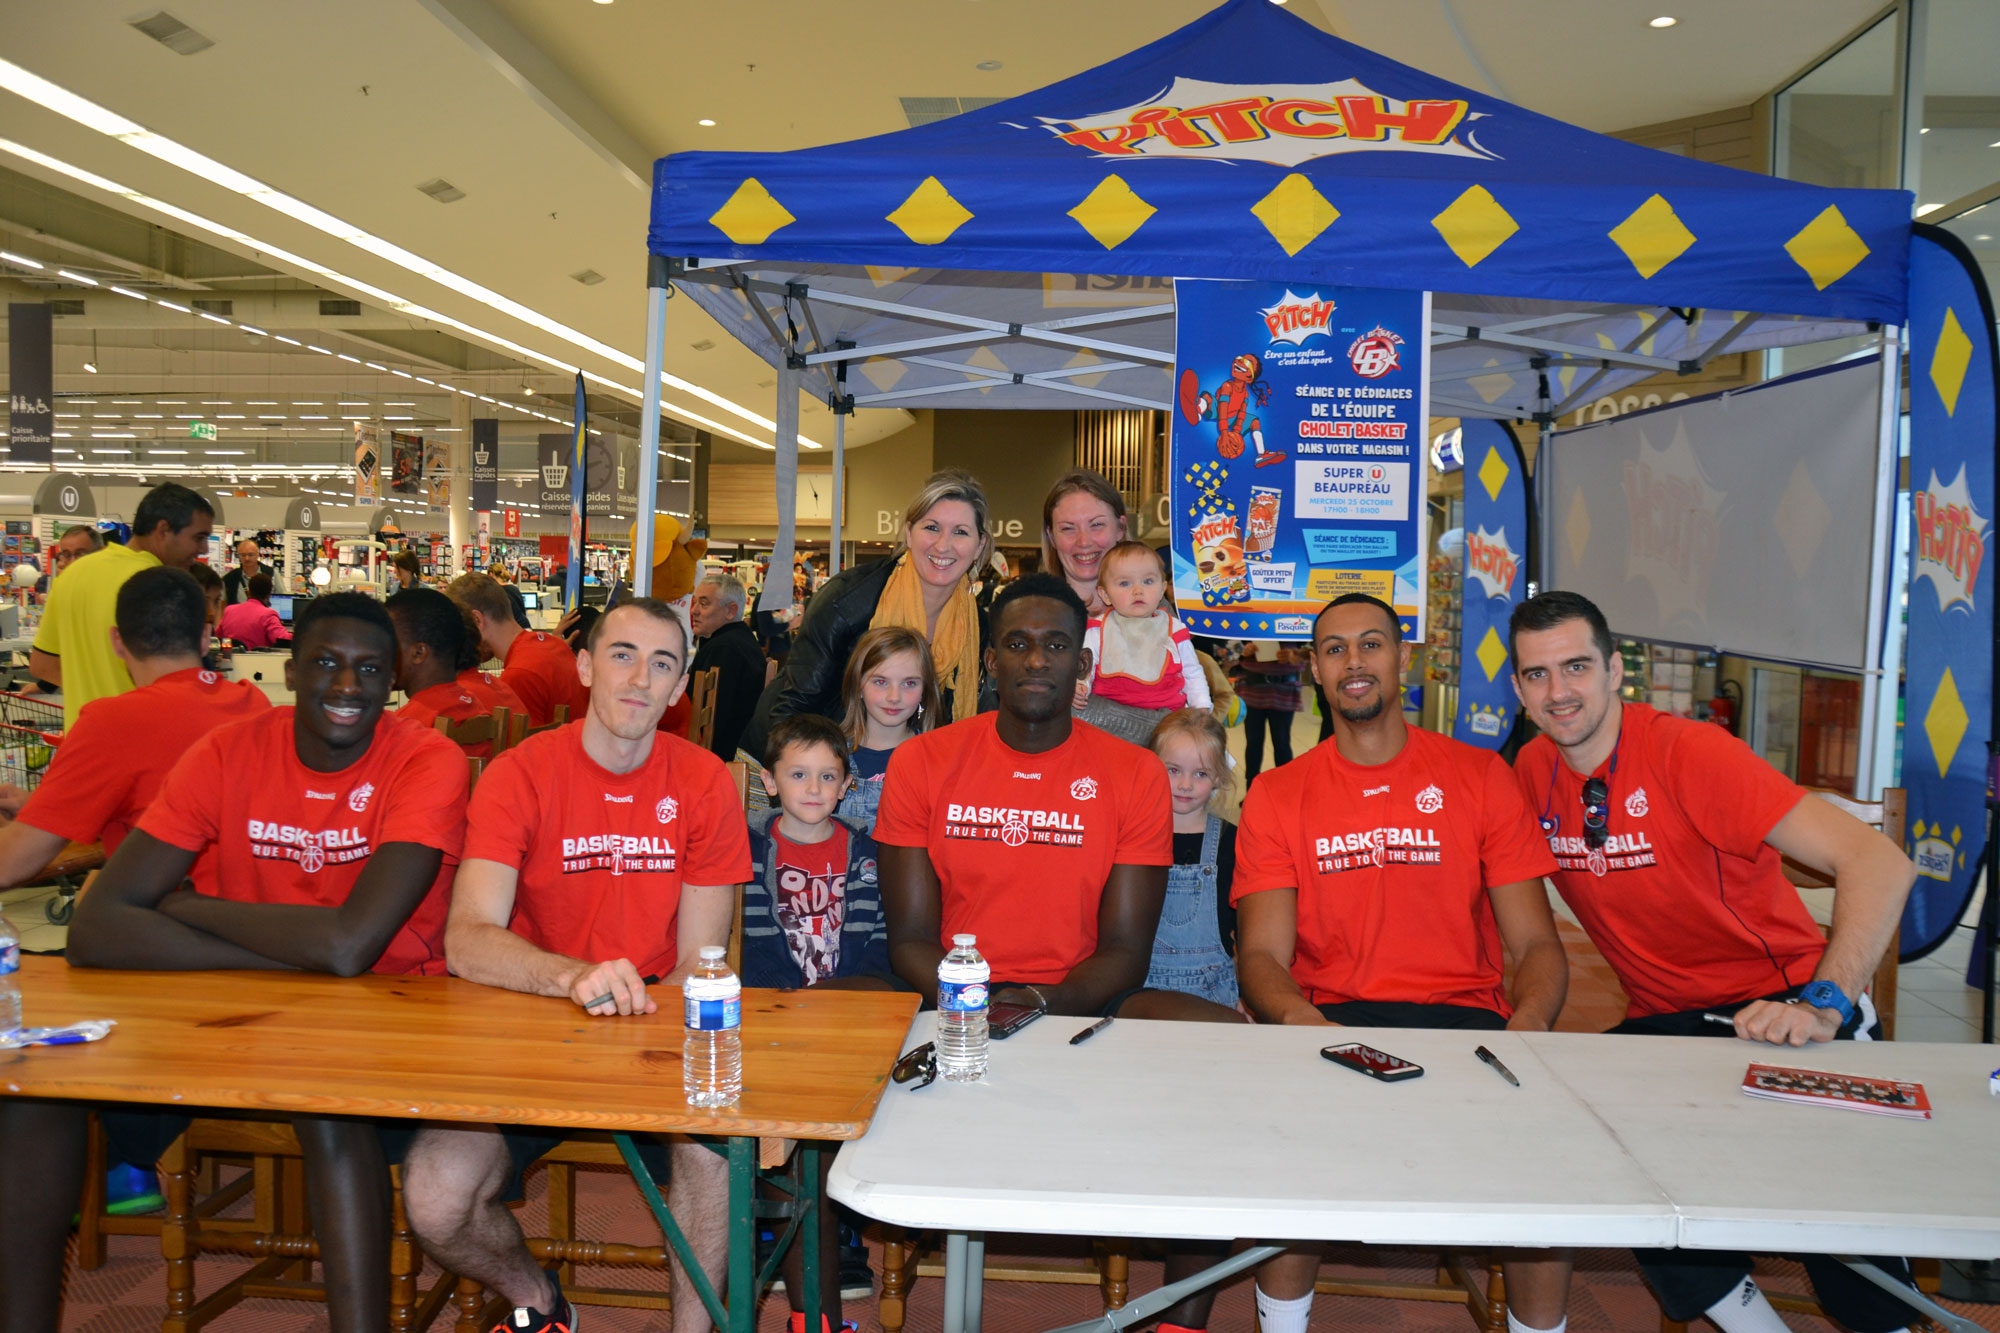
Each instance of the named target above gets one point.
<point>919,1064</point>
<point>1596,810</point>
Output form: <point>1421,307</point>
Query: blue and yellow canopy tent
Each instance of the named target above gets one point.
<point>1023,255</point>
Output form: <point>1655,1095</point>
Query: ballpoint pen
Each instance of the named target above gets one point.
<point>1498,1067</point>
<point>1091,1031</point>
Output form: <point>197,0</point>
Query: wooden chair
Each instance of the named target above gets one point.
<point>70,871</point>
<point>701,692</point>
<point>278,1237</point>
<point>522,730</point>
<point>492,730</point>
<point>739,773</point>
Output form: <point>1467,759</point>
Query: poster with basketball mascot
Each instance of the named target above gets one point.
<point>1299,429</point>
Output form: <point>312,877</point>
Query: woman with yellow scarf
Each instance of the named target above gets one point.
<point>926,587</point>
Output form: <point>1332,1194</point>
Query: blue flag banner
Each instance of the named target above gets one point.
<point>1949,669</point>
<point>578,474</point>
<point>1298,454</point>
<point>1496,577</point>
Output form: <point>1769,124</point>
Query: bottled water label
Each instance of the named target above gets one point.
<point>962,997</point>
<point>713,1015</point>
<point>10,958</point>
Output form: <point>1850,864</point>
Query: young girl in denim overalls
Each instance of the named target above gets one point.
<point>891,694</point>
<point>1192,951</point>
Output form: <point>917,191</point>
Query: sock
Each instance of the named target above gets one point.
<point>1275,1316</point>
<point>1744,1310</point>
<point>1516,1326</point>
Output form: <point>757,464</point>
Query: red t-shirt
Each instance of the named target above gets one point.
<point>1689,904</point>
<point>811,902</point>
<point>458,700</point>
<point>1022,843</point>
<point>602,855</point>
<point>282,833</point>
<point>541,669</point>
<point>503,694</point>
<point>111,763</point>
<point>1392,865</point>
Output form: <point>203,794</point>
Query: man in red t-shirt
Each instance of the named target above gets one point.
<point>1378,878</point>
<point>431,639</point>
<point>110,764</point>
<point>599,859</point>
<point>334,830</point>
<point>1668,835</point>
<point>538,667</point>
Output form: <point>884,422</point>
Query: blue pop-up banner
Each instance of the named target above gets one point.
<point>1948,714</point>
<point>1496,561</point>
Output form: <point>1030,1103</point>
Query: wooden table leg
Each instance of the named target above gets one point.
<point>899,1250</point>
<point>176,1242</point>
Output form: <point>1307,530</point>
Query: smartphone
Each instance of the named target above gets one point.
<point>1376,1064</point>
<point>1004,1020</point>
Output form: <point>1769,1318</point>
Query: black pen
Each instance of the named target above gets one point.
<point>1091,1031</point>
<point>1723,1019</point>
<point>1498,1067</point>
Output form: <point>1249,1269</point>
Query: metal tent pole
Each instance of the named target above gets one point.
<point>842,403</point>
<point>659,287</point>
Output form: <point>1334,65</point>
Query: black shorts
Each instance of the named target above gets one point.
<point>1403,1014</point>
<point>1864,1026</point>
<point>140,1136</point>
<point>527,1145</point>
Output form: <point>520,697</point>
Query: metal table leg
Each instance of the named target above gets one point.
<point>975,1280</point>
<point>1910,1295</point>
<point>1138,1311</point>
<point>955,1245</point>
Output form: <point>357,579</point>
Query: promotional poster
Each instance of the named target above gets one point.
<point>1298,454</point>
<point>406,463</point>
<point>1496,581</point>
<point>367,462</point>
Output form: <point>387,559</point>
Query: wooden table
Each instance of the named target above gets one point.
<point>437,1048</point>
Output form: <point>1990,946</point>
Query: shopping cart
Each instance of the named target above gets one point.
<point>28,740</point>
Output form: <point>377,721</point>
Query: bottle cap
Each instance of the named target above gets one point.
<point>964,941</point>
<point>712,952</point>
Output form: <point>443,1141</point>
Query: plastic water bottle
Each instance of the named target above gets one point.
<point>961,1031</point>
<point>712,1055</point>
<point>10,985</point>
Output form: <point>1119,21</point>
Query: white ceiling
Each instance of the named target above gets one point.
<point>547,112</point>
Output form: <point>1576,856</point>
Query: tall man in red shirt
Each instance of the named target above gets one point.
<point>1046,838</point>
<point>539,667</point>
<point>431,640</point>
<point>1378,878</point>
<point>334,830</point>
<point>599,858</point>
<point>111,763</point>
<point>1668,836</point>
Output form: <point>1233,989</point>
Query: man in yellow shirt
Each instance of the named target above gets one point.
<point>73,647</point>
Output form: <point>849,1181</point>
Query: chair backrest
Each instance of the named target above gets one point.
<point>1890,816</point>
<point>522,730</point>
<point>701,693</point>
<point>739,773</point>
<point>477,766</point>
<point>491,730</point>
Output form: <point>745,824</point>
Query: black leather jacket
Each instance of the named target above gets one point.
<point>809,681</point>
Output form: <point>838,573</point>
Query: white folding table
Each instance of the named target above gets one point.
<point>1184,1130</point>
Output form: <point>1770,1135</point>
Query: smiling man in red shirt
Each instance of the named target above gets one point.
<point>333,830</point>
<point>538,667</point>
<point>599,858</point>
<point>1378,879</point>
<point>1668,836</point>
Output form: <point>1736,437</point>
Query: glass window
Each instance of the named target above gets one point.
<point>1979,228</point>
<point>1961,125</point>
<point>1839,125</point>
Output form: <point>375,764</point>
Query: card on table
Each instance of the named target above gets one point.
<point>1847,1092</point>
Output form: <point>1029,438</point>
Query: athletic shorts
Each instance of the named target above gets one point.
<point>1403,1014</point>
<point>141,1136</point>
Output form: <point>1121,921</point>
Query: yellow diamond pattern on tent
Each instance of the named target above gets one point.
<point>1950,360</point>
<point>883,276</point>
<point>1492,653</point>
<point>1493,473</point>
<point>1475,225</point>
<point>1112,212</point>
<point>985,359</point>
<point>1945,722</point>
<point>930,215</point>
<point>751,214</point>
<point>1576,527</point>
<point>1827,248</point>
<point>884,372</point>
<point>1652,237</point>
<point>1295,213</point>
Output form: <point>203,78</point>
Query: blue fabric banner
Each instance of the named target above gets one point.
<point>1948,712</point>
<point>1496,576</point>
<point>1298,455</point>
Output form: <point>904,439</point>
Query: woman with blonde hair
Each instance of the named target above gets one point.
<point>925,587</point>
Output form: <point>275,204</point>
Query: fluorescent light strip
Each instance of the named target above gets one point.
<point>76,277</point>
<point>22,260</point>
<point>85,112</point>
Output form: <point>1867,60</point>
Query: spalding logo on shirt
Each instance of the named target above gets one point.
<point>619,853</point>
<point>312,850</point>
<point>1012,826</point>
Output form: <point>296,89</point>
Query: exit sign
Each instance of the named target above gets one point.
<point>201,430</point>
